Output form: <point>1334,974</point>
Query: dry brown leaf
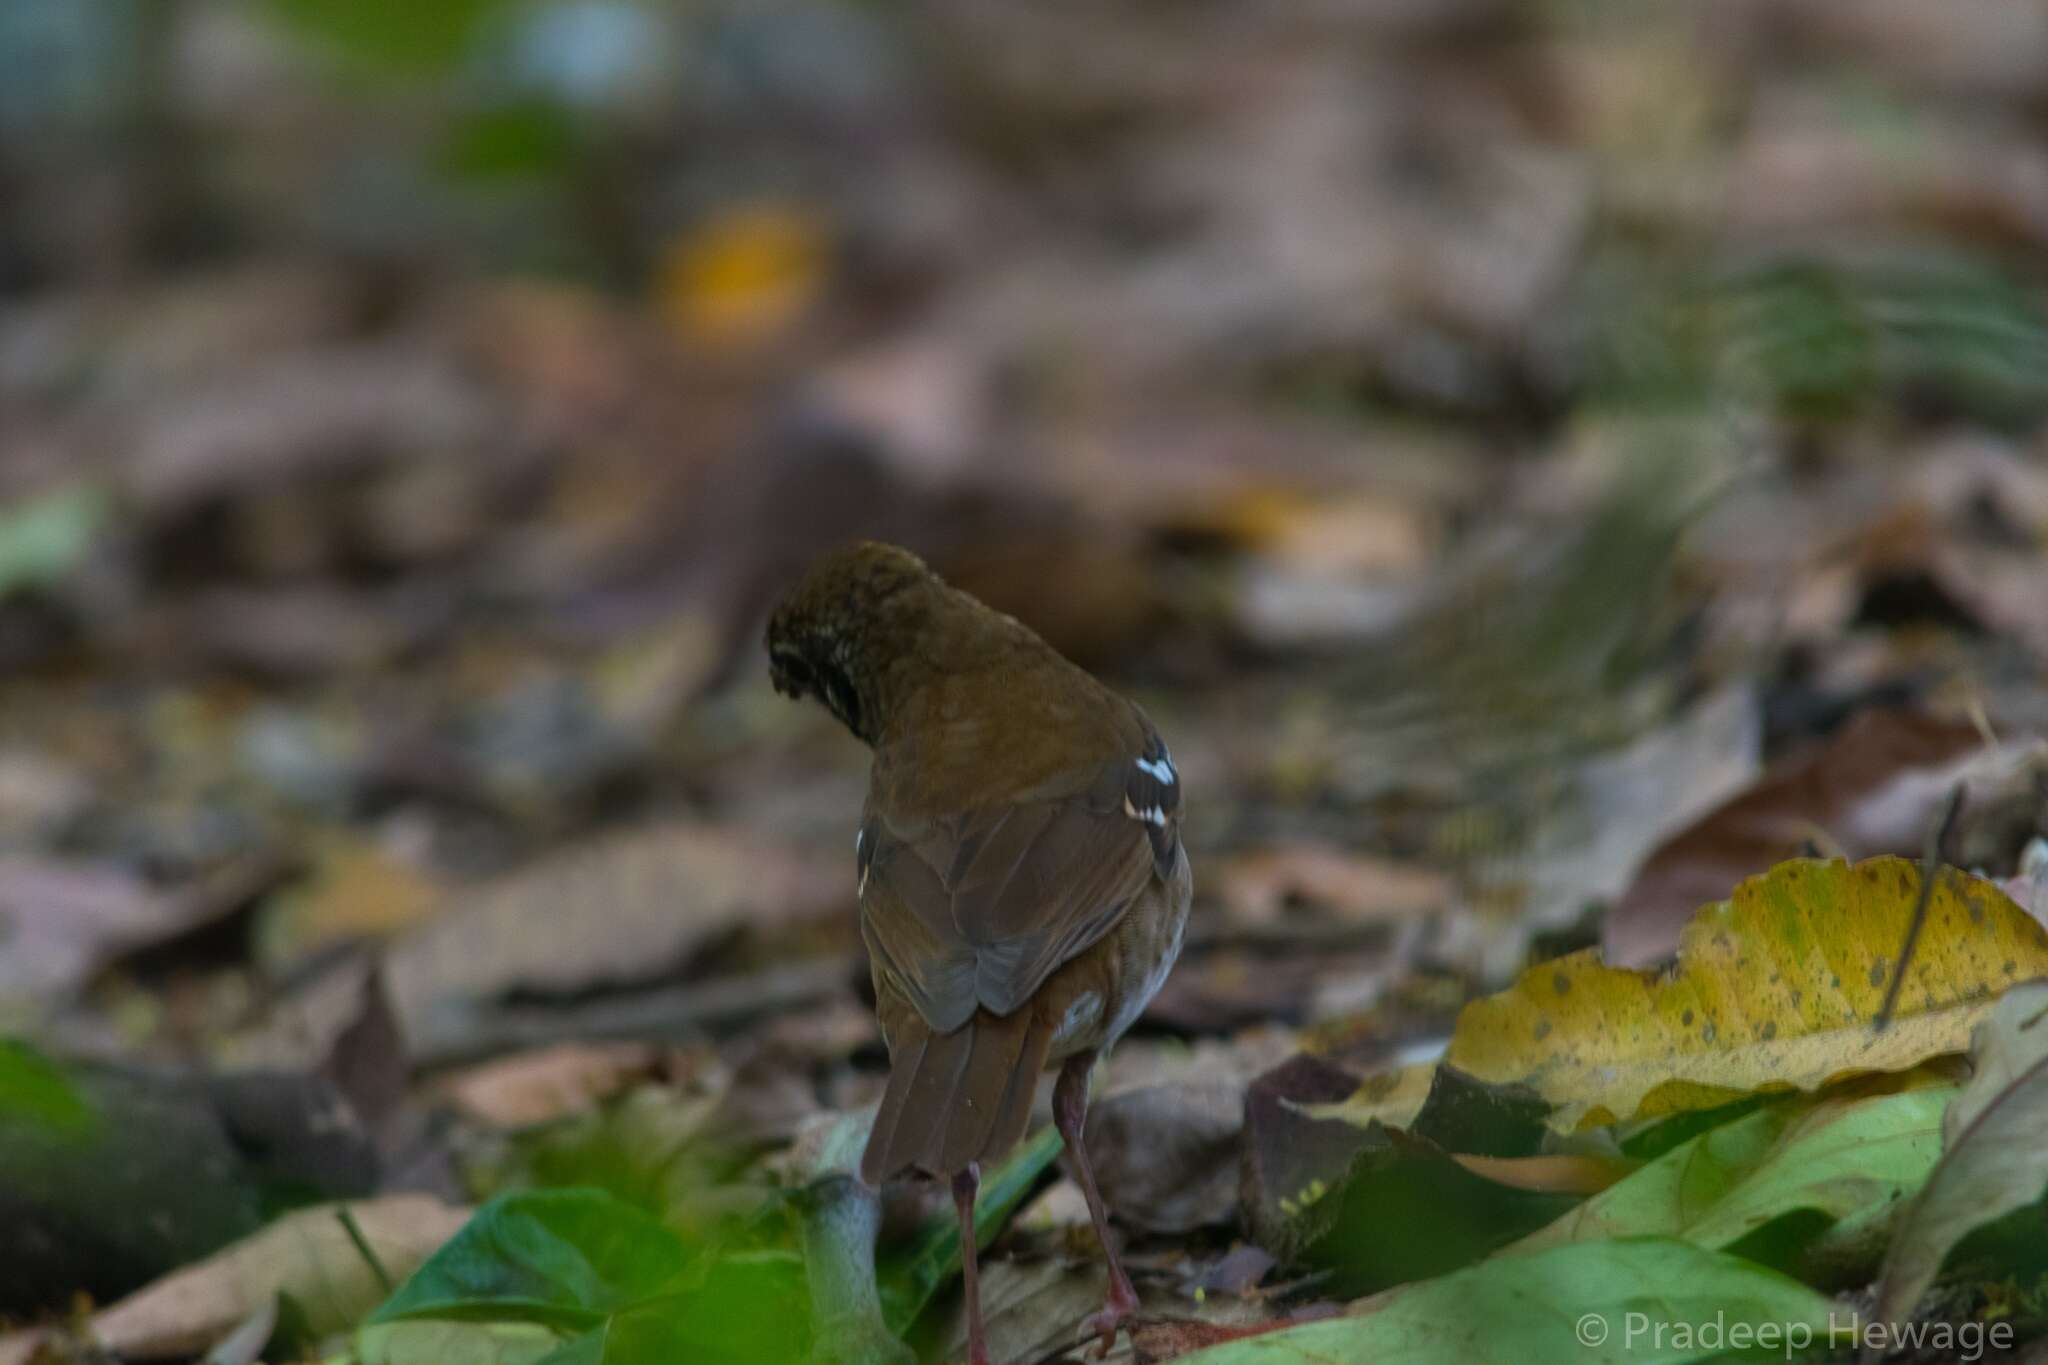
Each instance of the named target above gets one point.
<point>1258,886</point>
<point>1876,787</point>
<point>307,1254</point>
<point>548,1083</point>
<point>63,921</point>
<point>627,908</point>
<point>1560,1174</point>
<point>1167,1157</point>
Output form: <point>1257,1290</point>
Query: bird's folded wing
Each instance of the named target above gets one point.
<point>978,909</point>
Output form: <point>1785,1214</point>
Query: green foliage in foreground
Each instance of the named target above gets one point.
<point>607,1284</point>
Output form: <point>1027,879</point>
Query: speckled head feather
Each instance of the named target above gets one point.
<point>837,631</point>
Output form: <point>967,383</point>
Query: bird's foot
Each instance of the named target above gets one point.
<point>1103,1325</point>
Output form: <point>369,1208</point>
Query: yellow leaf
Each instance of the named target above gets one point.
<point>1774,989</point>
<point>743,277</point>
<point>1392,1098</point>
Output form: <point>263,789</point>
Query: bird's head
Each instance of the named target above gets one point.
<point>853,613</point>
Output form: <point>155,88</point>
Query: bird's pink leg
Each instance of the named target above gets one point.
<point>965,1185</point>
<point>1070,1115</point>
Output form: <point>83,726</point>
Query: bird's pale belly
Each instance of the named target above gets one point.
<point>1140,953</point>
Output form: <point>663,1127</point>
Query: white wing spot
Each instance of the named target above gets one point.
<point>1162,770</point>
<point>1151,815</point>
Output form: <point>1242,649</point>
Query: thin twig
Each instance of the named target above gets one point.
<point>363,1248</point>
<point>1930,872</point>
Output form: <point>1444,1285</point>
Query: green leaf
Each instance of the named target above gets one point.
<point>750,1310</point>
<point>33,1090</point>
<point>562,1257</point>
<point>1726,1188</point>
<point>909,1277</point>
<point>1637,1301</point>
<point>1452,1217</point>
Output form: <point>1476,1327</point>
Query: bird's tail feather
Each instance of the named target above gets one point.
<point>957,1097</point>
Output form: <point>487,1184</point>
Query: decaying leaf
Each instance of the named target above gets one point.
<point>1258,886</point>
<point>1293,1152</point>
<point>548,1083</point>
<point>643,902</point>
<point>308,1255</point>
<point>61,921</point>
<point>1166,1157</point>
<point>1774,989</point>
<point>1994,1160</point>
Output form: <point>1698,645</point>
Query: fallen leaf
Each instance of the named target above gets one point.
<point>1030,1309</point>
<point>1617,807</point>
<point>1591,1303</point>
<point>1876,787</point>
<point>1393,1098</point>
<point>1824,1162</point>
<point>1291,1152</point>
<point>308,1255</point>
<point>1774,989</point>
<point>355,891</point>
<point>1166,1158</point>
<point>644,901</point>
<point>1994,1160</point>
<point>245,1344</point>
<point>1450,1216</point>
<point>1256,887</point>
<point>274,417</point>
<point>1581,1175</point>
<point>63,921</point>
<point>548,1083</point>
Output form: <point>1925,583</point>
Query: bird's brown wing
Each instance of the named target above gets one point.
<point>977,909</point>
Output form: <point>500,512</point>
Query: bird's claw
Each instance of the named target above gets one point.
<point>1103,1325</point>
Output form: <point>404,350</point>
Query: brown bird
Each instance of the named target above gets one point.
<point>1023,889</point>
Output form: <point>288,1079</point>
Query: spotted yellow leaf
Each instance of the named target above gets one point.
<point>1774,989</point>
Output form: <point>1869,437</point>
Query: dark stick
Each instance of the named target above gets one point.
<point>1937,841</point>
